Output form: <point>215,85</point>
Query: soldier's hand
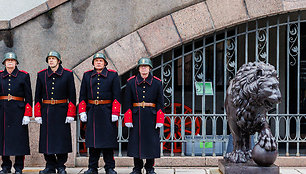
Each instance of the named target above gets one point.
<point>114,118</point>
<point>25,120</point>
<point>83,116</point>
<point>38,120</point>
<point>129,124</point>
<point>159,125</point>
<point>69,119</point>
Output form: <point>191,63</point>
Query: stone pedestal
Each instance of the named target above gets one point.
<point>250,168</point>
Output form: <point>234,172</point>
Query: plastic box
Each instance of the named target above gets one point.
<point>199,145</point>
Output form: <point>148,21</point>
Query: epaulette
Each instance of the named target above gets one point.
<point>111,70</point>
<point>42,70</point>
<point>1,71</point>
<point>88,71</point>
<point>156,78</point>
<point>23,71</point>
<point>67,69</point>
<point>131,78</point>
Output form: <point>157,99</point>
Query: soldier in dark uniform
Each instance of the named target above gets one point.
<point>100,99</point>
<point>144,114</point>
<point>15,113</point>
<point>55,109</point>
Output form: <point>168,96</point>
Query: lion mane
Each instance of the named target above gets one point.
<point>245,88</point>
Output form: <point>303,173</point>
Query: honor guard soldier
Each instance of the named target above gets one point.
<point>100,99</point>
<point>16,110</point>
<point>144,114</point>
<point>55,109</point>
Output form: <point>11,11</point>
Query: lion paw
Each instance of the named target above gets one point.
<point>237,156</point>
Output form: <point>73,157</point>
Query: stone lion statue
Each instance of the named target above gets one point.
<point>249,96</point>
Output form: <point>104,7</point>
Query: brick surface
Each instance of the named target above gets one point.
<point>226,12</point>
<point>4,25</point>
<point>159,35</point>
<point>290,5</point>
<point>193,21</point>
<point>54,3</point>
<point>29,15</point>
<point>125,52</point>
<point>258,8</point>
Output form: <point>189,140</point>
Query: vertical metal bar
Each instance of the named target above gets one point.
<point>246,42</point>
<point>183,100</point>
<point>214,97</point>
<point>172,101</point>
<point>236,50</point>
<point>256,40</point>
<point>162,79</point>
<point>193,100</point>
<point>288,85</point>
<point>298,86</point>
<point>277,56</point>
<point>120,135</point>
<point>277,70</point>
<point>267,40</point>
<point>224,87</point>
<point>204,96</point>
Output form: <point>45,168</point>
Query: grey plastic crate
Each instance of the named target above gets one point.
<point>199,145</point>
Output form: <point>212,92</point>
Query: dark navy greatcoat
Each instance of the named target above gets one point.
<point>14,137</point>
<point>144,140</point>
<point>55,134</point>
<point>101,132</point>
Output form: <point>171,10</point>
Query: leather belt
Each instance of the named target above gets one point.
<point>99,102</point>
<point>10,97</point>
<point>53,102</point>
<point>144,104</point>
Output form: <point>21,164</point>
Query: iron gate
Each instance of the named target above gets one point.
<point>195,119</point>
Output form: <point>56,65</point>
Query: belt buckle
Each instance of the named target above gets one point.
<point>52,102</point>
<point>143,104</point>
<point>96,102</point>
<point>9,97</point>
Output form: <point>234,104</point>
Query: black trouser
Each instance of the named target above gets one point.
<point>56,160</point>
<point>7,163</point>
<point>138,164</point>
<point>108,157</point>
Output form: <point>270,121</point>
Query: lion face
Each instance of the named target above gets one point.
<point>268,92</point>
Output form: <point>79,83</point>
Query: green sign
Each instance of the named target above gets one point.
<point>207,145</point>
<point>200,88</point>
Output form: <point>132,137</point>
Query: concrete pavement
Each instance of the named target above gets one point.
<point>164,170</point>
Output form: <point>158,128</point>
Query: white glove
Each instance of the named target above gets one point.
<point>159,125</point>
<point>25,120</point>
<point>129,124</point>
<point>69,119</point>
<point>38,120</point>
<point>114,118</point>
<point>83,116</point>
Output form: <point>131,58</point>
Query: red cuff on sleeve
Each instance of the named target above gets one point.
<point>160,117</point>
<point>28,110</point>
<point>82,106</point>
<point>128,116</point>
<point>37,110</point>
<point>71,110</point>
<point>116,108</point>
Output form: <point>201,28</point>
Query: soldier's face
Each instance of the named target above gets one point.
<point>99,64</point>
<point>53,62</point>
<point>10,63</point>
<point>144,69</point>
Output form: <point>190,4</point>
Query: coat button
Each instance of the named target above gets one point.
<point>97,97</point>
<point>98,83</point>
<point>144,91</point>
<point>9,89</point>
<point>53,78</point>
<point>51,92</point>
<point>98,79</point>
<point>143,97</point>
<point>9,75</point>
<point>98,88</point>
<point>52,83</point>
<point>9,84</point>
<point>144,86</point>
<point>52,87</point>
<point>97,92</point>
<point>9,79</point>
